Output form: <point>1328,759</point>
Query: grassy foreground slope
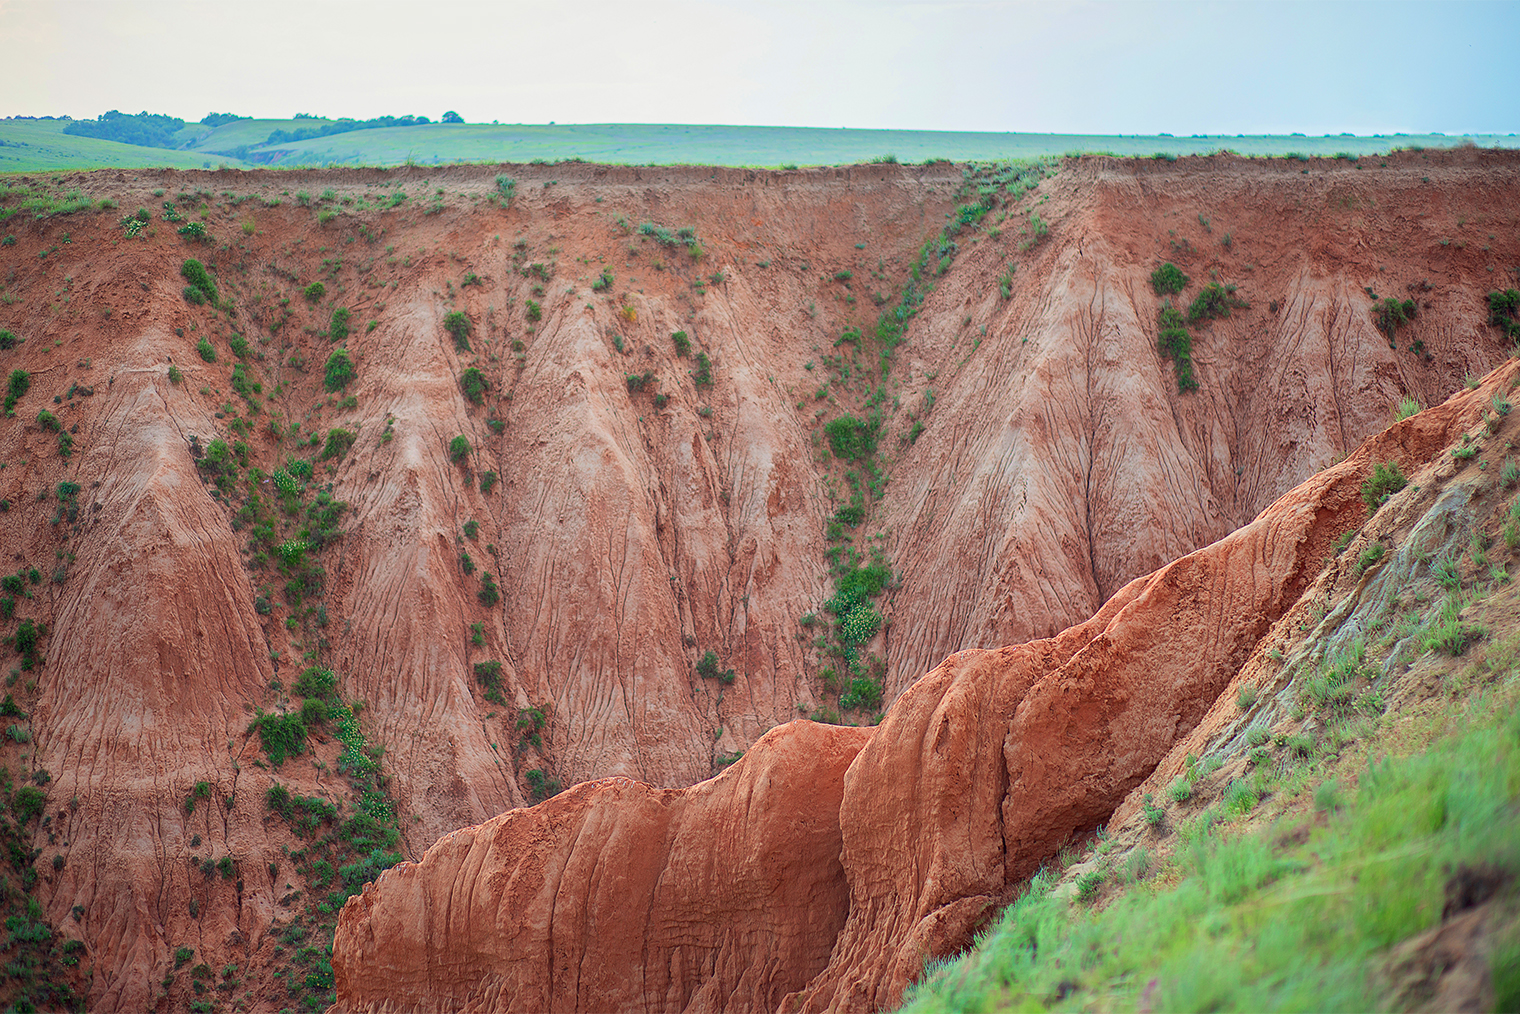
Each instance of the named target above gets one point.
<point>1348,835</point>
<point>33,145</point>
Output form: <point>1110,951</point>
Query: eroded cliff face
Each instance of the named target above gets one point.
<point>1036,455</point>
<point>979,773</point>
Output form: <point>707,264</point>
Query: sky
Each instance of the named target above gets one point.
<point>1077,67</point>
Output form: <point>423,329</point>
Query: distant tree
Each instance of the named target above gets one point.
<point>214,120</point>
<point>148,130</point>
<point>452,117</point>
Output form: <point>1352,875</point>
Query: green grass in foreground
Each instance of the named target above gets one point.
<point>1255,922</point>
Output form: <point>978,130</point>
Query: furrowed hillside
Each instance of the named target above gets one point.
<point>351,508</point>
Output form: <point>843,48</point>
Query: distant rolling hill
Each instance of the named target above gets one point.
<point>35,145</point>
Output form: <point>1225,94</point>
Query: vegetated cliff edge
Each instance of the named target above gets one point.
<point>630,523</point>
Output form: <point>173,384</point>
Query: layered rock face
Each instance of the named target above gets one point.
<point>643,508</point>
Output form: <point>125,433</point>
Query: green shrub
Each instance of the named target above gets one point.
<point>1504,312</point>
<point>604,282</point>
<point>317,682</point>
<point>281,735</point>
<point>1215,301</point>
<point>200,279</point>
<point>338,443</point>
<point>852,439</point>
<point>337,328</point>
<point>206,350</point>
<point>8,340</point>
<point>1386,479</point>
<point>487,481</point>
<point>175,375</point>
<point>193,230</point>
<point>20,382</point>
<point>28,804</point>
<point>474,385</point>
<point>49,421</point>
<point>1371,555</point>
<point>340,370</point>
<point>1391,314</point>
<point>315,711</point>
<point>239,345</point>
<point>535,311</point>
<point>458,325</point>
<point>277,798</point>
<point>489,593</point>
<point>1168,279</point>
<point>864,694</point>
<point>506,187</point>
<point>679,339</point>
<point>314,292</point>
<point>1177,344</point>
<point>193,296</point>
<point>488,674</point>
<point>703,376</point>
<point>459,448</point>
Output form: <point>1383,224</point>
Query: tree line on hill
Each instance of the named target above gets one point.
<point>154,130</point>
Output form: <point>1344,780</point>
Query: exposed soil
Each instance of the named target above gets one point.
<point>1056,463</point>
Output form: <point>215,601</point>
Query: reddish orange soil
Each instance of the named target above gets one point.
<point>1056,465</point>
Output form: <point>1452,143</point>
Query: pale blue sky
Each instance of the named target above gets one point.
<point>1074,67</point>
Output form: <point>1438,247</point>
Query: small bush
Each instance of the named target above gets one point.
<point>314,292</point>
<point>852,439</point>
<point>338,443</point>
<point>339,371</point>
<point>281,735</point>
<point>679,339</point>
<point>8,340</point>
<point>337,328</point>
<point>1215,301</point>
<point>458,325</point>
<point>535,311</point>
<point>459,448</point>
<point>473,383</point>
<point>487,481</point>
<point>703,376</point>
<point>1168,279</point>
<point>1386,479</point>
<point>1391,314</point>
<point>1371,555</point>
<point>207,350</point>
<point>489,593</point>
<point>200,279</point>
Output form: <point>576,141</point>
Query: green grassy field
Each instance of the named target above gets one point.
<point>37,145</point>
<point>42,146</point>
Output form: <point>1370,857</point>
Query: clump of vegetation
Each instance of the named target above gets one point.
<point>707,668</point>
<point>282,736</point>
<point>200,281</point>
<point>1215,301</point>
<point>459,448</point>
<point>702,376</point>
<point>679,339</point>
<point>1386,479</point>
<point>458,325</point>
<point>337,328</point>
<point>314,292</point>
<point>1390,314</point>
<point>853,439</point>
<point>1177,344</point>
<point>1168,279</point>
<point>339,371</point>
<point>473,383</point>
<point>1503,312</point>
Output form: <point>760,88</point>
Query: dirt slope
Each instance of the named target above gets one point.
<point>1056,462</point>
